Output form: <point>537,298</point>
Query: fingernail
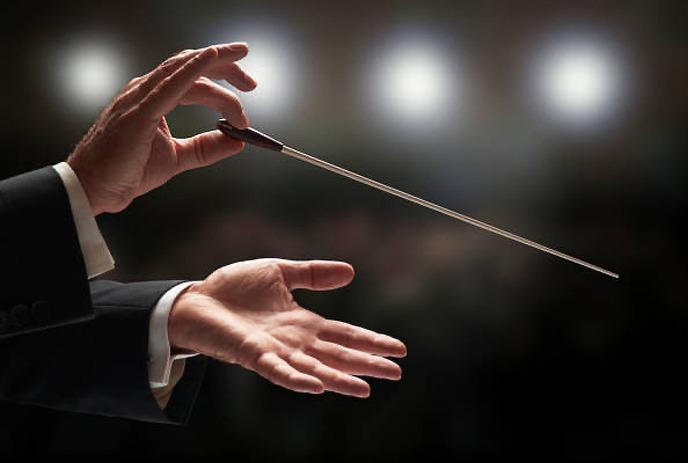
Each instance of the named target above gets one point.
<point>238,46</point>
<point>250,80</point>
<point>402,349</point>
<point>397,374</point>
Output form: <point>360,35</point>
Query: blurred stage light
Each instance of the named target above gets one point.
<point>90,74</point>
<point>269,62</point>
<point>274,63</point>
<point>578,82</point>
<point>414,83</point>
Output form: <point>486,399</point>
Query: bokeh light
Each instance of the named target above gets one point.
<point>273,62</point>
<point>497,334</point>
<point>579,82</point>
<point>90,72</point>
<point>415,84</point>
<point>414,81</point>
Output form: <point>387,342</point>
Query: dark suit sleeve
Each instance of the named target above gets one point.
<point>100,366</point>
<point>42,273</point>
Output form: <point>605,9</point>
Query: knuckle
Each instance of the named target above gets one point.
<point>272,269</point>
<point>205,84</point>
<point>372,362</point>
<point>164,82</point>
<point>261,361</point>
<point>130,116</point>
<point>170,60</point>
<point>235,103</point>
<point>250,351</point>
<point>113,118</point>
<point>309,269</point>
<point>219,354</point>
<point>134,81</point>
<point>293,357</point>
<point>346,356</point>
<point>232,98</point>
<point>351,332</point>
<point>308,319</point>
<point>199,152</point>
<point>168,63</point>
<point>179,55</point>
<point>310,349</point>
<point>118,103</point>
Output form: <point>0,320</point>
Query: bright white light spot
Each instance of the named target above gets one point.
<point>415,83</point>
<point>270,64</point>
<point>414,87</point>
<point>579,82</point>
<point>273,62</point>
<point>91,74</point>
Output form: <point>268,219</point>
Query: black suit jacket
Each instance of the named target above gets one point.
<point>42,272</point>
<point>68,344</point>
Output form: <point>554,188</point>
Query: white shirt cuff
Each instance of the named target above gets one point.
<point>96,254</point>
<point>160,359</point>
<point>98,260</point>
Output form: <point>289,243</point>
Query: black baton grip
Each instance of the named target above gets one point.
<point>249,135</point>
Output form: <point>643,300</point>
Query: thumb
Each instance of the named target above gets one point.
<point>316,274</point>
<point>205,149</point>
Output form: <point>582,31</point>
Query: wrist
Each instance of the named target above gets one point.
<point>84,179</point>
<point>180,320</point>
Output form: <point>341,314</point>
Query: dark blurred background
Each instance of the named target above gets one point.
<point>561,121</point>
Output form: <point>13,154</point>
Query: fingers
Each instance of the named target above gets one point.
<point>206,92</point>
<point>232,73</point>
<point>361,339</point>
<point>316,274</point>
<point>165,96</point>
<point>279,372</point>
<point>205,149</point>
<point>142,86</point>
<point>332,379</point>
<point>226,55</point>
<point>354,362</point>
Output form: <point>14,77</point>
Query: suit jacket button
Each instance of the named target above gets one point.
<point>20,315</point>
<point>40,311</point>
<point>4,321</point>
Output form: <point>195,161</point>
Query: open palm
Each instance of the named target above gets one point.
<point>245,313</point>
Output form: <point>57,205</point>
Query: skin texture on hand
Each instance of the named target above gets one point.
<point>130,150</point>
<point>245,314</point>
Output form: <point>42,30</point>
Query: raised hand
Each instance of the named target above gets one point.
<point>130,150</point>
<point>245,314</point>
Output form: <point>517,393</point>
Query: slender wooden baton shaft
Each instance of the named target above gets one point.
<point>254,137</point>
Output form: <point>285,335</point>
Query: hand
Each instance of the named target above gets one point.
<point>245,313</point>
<point>129,150</point>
